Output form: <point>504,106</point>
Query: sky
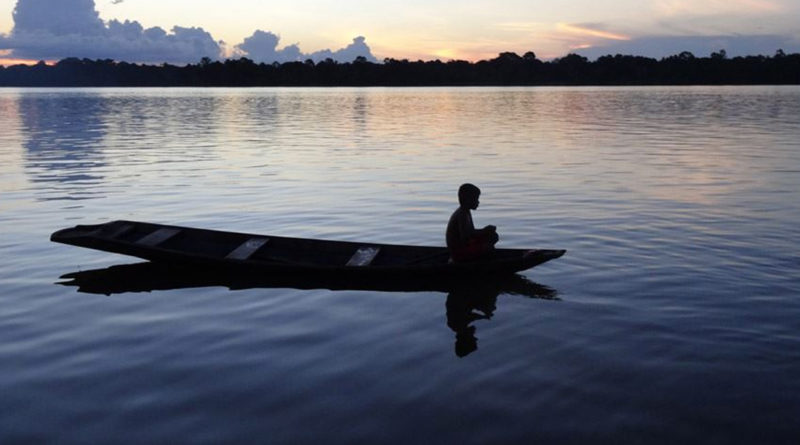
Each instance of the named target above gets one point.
<point>183,31</point>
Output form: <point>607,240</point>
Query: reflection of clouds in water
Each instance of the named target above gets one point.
<point>62,149</point>
<point>87,144</point>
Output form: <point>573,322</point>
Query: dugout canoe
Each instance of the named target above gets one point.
<point>252,253</point>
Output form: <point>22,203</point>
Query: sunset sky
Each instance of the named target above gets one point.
<point>431,29</point>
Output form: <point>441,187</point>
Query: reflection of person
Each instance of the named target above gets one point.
<point>464,241</point>
<point>463,307</point>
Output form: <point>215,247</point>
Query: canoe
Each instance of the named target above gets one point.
<point>251,253</point>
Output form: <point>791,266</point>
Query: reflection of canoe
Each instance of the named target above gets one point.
<point>148,277</point>
<point>280,255</point>
<point>469,298</point>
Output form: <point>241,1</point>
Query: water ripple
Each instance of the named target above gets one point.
<point>678,310</point>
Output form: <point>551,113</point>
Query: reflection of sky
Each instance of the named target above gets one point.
<point>674,144</point>
<point>676,290</point>
<point>63,143</point>
<point>12,179</point>
<point>84,144</point>
<point>296,154</point>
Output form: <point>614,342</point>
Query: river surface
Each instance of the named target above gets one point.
<point>674,317</point>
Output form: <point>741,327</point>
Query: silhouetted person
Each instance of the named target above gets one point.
<point>464,241</point>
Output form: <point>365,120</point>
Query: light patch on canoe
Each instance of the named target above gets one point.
<point>247,249</point>
<point>158,237</point>
<point>364,256</point>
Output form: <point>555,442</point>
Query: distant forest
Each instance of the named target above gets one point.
<point>507,69</point>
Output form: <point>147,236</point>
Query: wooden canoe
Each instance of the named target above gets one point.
<point>250,253</point>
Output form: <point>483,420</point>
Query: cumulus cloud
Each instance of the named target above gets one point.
<point>262,46</point>
<point>349,53</point>
<point>55,29</point>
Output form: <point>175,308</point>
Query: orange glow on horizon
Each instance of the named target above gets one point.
<point>9,62</point>
<point>5,60</point>
<point>446,54</point>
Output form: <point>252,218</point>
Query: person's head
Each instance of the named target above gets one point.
<point>468,195</point>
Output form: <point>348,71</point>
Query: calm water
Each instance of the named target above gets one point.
<point>678,310</point>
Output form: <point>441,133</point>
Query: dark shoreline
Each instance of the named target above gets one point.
<point>508,69</point>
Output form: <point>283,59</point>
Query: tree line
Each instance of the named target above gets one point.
<point>507,69</point>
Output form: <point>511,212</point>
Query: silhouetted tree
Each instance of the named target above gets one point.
<point>721,55</point>
<point>507,68</point>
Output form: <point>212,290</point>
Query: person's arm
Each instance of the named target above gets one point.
<point>488,229</point>
<point>466,229</point>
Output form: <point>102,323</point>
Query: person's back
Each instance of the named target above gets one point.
<point>458,228</point>
<point>463,240</point>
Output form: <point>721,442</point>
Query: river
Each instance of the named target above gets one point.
<point>674,317</point>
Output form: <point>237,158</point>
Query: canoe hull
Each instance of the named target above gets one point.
<point>260,254</point>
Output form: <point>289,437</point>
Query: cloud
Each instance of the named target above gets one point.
<point>663,46</point>
<point>59,17</point>
<point>715,7</point>
<point>55,29</point>
<point>590,30</point>
<point>347,54</point>
<point>262,46</point>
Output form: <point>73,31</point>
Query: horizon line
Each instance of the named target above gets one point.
<point>9,62</point>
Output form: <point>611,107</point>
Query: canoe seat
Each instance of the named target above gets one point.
<point>122,230</point>
<point>364,256</point>
<point>247,249</point>
<point>159,236</point>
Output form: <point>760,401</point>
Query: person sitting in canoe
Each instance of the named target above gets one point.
<point>464,241</point>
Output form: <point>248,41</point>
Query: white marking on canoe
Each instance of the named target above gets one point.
<point>246,249</point>
<point>158,237</point>
<point>125,228</point>
<point>363,256</point>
